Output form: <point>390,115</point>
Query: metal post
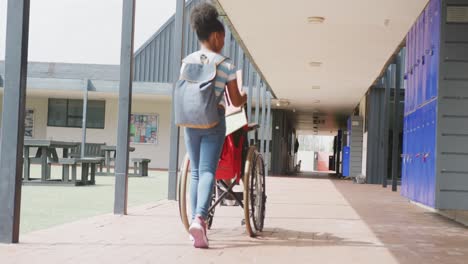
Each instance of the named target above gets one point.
<point>175,131</point>
<point>227,45</point>
<point>85,117</point>
<point>388,85</point>
<point>125,106</point>
<point>12,131</point>
<point>257,99</point>
<point>396,155</point>
<point>240,61</point>
<point>250,83</point>
<point>268,138</point>
<point>250,93</point>
<point>373,138</point>
<point>263,121</point>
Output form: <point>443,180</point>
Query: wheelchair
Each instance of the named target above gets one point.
<point>240,181</point>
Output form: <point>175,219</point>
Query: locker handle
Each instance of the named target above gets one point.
<point>423,60</point>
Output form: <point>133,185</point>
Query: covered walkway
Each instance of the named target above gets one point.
<point>309,218</point>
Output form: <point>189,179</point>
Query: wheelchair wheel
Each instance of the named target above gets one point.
<point>254,192</point>
<point>183,192</point>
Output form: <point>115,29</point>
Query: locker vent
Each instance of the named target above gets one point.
<point>457,14</point>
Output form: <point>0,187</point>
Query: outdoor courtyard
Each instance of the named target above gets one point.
<point>48,205</point>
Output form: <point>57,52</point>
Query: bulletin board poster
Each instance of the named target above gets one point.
<point>29,123</point>
<point>144,128</point>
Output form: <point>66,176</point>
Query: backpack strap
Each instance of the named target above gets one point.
<point>201,66</point>
<point>204,57</point>
<point>218,59</point>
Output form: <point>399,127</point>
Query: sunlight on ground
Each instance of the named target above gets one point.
<point>47,206</point>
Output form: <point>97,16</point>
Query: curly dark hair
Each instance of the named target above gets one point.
<point>204,20</point>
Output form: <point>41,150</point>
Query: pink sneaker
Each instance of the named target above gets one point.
<point>197,230</point>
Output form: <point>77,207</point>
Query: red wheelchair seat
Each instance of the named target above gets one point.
<point>230,162</point>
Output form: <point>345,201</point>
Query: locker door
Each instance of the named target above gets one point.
<point>404,166</point>
<point>406,80</point>
<point>410,70</point>
<point>420,47</point>
<point>425,57</point>
<point>424,150</point>
<point>411,157</point>
<point>435,46</point>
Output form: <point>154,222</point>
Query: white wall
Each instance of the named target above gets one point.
<point>364,154</point>
<point>158,153</point>
<point>307,158</point>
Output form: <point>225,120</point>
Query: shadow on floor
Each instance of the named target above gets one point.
<point>412,234</point>
<point>278,237</point>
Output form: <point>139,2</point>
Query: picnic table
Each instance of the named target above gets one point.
<point>108,154</point>
<point>45,155</point>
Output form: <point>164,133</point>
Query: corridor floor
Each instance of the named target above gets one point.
<point>309,220</point>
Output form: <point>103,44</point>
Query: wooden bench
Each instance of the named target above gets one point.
<point>140,166</point>
<point>88,168</point>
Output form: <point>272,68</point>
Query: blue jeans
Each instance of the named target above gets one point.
<point>204,147</point>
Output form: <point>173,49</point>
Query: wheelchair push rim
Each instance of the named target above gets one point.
<point>254,192</point>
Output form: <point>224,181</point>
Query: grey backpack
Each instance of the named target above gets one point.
<point>195,100</point>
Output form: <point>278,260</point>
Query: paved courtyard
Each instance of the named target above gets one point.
<point>309,220</point>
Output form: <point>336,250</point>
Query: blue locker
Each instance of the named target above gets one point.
<point>425,52</point>
<point>408,54</point>
<point>422,180</point>
<point>417,160</point>
<point>415,65</point>
<point>404,180</point>
<point>346,161</point>
<point>411,70</point>
<point>420,121</point>
<point>435,46</point>
<point>408,72</point>
<point>411,161</point>
<point>413,144</point>
<point>424,150</point>
<point>418,66</point>
<point>415,155</point>
<point>402,191</point>
<point>430,50</point>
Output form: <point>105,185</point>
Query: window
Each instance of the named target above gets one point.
<point>69,113</point>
